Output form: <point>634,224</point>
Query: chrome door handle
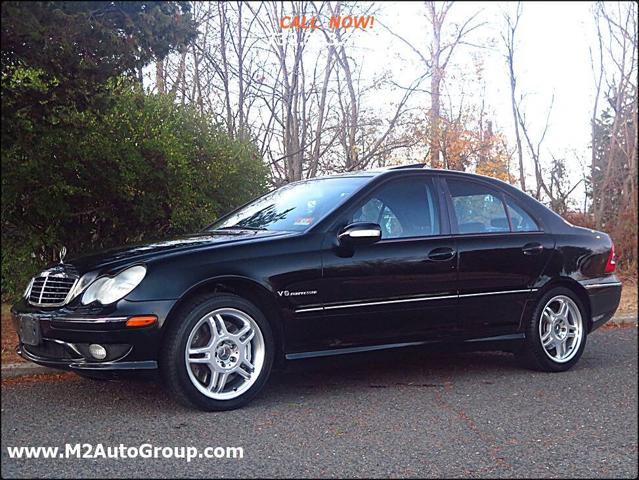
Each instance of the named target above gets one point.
<point>443,253</point>
<point>532,249</point>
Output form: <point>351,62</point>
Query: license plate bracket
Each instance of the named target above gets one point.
<point>29,330</point>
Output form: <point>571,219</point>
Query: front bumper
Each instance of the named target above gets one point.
<point>604,296</point>
<point>84,364</point>
<point>65,336</point>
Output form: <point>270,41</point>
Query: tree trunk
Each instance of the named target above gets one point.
<point>159,76</point>
<point>435,84</point>
<point>320,120</point>
<point>240,79</point>
<point>520,156</point>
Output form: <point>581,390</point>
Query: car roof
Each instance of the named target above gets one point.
<point>415,167</point>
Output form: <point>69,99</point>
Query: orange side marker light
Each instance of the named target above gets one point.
<point>141,321</point>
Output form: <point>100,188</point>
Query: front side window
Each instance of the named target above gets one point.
<point>294,207</point>
<point>402,208</point>
<point>478,209</point>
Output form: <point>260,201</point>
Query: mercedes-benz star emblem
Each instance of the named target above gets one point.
<point>63,253</point>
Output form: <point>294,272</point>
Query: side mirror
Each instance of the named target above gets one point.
<point>360,233</point>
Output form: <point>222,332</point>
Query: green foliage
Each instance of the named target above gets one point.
<point>61,54</point>
<point>144,168</point>
<point>89,161</point>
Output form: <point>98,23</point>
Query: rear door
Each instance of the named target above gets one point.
<point>502,251</point>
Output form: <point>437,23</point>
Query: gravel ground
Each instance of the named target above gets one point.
<point>397,413</point>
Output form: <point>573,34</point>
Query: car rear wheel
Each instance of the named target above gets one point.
<point>218,352</point>
<point>556,332</point>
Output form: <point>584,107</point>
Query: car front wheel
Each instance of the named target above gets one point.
<point>218,352</point>
<point>556,332</point>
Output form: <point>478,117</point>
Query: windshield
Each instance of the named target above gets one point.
<point>294,207</point>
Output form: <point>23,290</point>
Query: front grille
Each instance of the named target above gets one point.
<point>51,287</point>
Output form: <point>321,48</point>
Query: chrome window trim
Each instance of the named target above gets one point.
<point>489,234</point>
<point>407,300</point>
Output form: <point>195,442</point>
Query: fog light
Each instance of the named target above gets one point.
<point>97,351</point>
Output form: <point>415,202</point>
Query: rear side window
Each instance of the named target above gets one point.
<point>478,209</point>
<point>520,220</point>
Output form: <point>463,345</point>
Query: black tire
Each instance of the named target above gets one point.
<point>173,366</point>
<point>533,354</point>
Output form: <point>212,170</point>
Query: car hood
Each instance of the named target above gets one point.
<point>121,256</point>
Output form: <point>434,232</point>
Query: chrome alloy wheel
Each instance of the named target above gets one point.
<point>561,329</point>
<point>224,353</point>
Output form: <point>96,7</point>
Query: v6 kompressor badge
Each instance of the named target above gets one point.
<point>287,293</point>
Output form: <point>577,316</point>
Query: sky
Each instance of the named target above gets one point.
<point>552,59</point>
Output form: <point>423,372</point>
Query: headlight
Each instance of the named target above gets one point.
<point>111,289</point>
<point>83,283</point>
<point>28,289</point>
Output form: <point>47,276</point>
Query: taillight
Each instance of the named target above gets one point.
<point>611,264</point>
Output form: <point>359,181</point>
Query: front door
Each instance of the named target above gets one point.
<point>401,289</point>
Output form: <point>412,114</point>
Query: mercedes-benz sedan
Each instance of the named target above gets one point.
<point>329,266</point>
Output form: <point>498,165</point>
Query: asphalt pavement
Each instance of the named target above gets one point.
<point>397,413</point>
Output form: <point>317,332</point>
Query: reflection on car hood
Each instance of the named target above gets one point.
<point>134,253</point>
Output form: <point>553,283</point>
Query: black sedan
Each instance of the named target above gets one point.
<point>348,263</point>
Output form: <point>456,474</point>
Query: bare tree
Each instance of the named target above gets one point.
<point>364,137</point>
<point>534,148</point>
<point>598,77</point>
<point>554,187</point>
<point>621,25</point>
<point>441,52</point>
<point>509,39</point>
<point>299,95</point>
<point>560,186</point>
<point>445,41</point>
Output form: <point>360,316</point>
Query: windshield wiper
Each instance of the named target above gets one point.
<point>238,227</point>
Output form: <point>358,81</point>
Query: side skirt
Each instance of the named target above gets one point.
<point>486,343</point>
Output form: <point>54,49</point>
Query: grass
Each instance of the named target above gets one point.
<point>627,305</point>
